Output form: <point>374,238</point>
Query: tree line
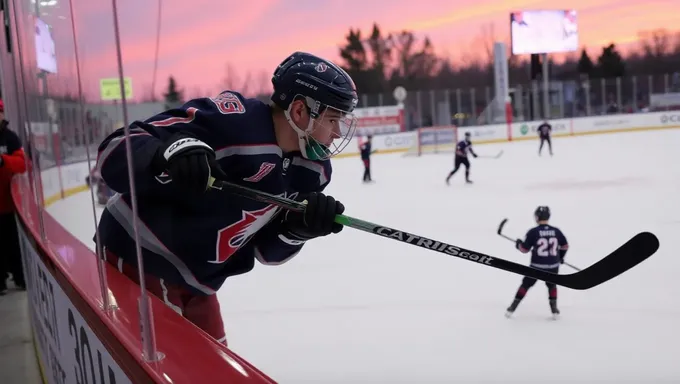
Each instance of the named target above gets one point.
<point>378,62</point>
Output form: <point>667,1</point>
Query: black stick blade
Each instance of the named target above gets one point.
<point>501,225</point>
<point>633,252</point>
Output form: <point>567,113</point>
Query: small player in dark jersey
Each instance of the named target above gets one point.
<point>462,149</point>
<point>544,131</point>
<point>548,246</point>
<point>366,150</point>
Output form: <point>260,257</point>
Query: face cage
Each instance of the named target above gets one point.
<point>344,125</point>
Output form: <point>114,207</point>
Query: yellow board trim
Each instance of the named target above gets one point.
<point>49,200</point>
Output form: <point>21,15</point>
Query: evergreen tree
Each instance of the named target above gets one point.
<point>173,97</point>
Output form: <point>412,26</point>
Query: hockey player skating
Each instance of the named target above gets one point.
<point>548,247</point>
<point>194,237</point>
<point>461,158</point>
<point>544,132</point>
<point>366,151</point>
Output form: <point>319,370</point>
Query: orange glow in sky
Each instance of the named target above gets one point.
<point>199,38</point>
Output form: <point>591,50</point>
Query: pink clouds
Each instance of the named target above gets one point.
<point>200,37</point>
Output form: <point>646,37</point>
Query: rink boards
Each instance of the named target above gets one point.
<point>63,181</point>
<point>497,133</point>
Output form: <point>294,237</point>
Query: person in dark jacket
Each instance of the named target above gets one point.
<point>12,162</point>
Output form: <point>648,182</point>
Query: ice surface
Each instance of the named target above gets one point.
<point>361,308</point>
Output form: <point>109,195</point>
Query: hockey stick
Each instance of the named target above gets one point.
<point>634,251</point>
<point>499,154</point>
<point>500,228</point>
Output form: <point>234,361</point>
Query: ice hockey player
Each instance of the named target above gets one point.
<point>548,247</point>
<point>94,180</point>
<point>366,151</point>
<point>194,237</point>
<point>462,149</point>
<point>544,131</point>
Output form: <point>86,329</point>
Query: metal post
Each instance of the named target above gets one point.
<point>588,106</point>
<point>603,85</point>
<point>101,267</point>
<point>618,94</point>
<point>433,109</point>
<point>635,102</point>
<point>560,89</point>
<point>459,106</point>
<point>420,110</point>
<point>473,101</point>
<point>489,107</point>
<point>519,102</point>
<point>448,106</point>
<point>546,88</point>
<point>148,336</point>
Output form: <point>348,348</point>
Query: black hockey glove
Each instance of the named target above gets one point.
<point>318,219</point>
<point>474,155</point>
<point>518,243</point>
<point>189,162</point>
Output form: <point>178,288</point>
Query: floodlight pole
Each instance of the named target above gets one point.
<point>546,86</point>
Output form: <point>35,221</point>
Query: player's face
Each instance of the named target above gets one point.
<point>327,127</point>
<point>331,125</point>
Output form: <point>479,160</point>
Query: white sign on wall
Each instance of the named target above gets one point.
<point>68,349</point>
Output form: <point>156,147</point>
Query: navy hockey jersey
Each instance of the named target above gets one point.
<point>544,130</point>
<point>365,150</point>
<point>547,245</point>
<point>199,243</point>
<point>463,148</point>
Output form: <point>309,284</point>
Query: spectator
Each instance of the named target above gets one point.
<point>11,163</point>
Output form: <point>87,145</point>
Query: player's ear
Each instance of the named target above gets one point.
<point>298,111</point>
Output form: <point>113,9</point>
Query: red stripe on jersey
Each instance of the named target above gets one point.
<point>191,114</point>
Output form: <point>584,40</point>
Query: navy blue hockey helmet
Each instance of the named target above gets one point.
<point>324,87</point>
<point>542,213</point>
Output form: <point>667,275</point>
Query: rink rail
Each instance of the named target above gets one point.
<point>76,340</point>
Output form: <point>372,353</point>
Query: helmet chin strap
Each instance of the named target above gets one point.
<point>306,148</point>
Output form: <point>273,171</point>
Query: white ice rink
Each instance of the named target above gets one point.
<point>361,308</point>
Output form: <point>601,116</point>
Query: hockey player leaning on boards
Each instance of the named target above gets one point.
<point>193,237</point>
<point>548,247</point>
<point>461,157</point>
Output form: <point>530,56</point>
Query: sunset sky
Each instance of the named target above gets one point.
<point>199,38</point>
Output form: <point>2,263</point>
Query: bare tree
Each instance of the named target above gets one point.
<point>246,84</point>
<point>148,95</point>
<point>262,83</point>
<point>655,43</point>
<point>485,41</point>
<point>230,79</point>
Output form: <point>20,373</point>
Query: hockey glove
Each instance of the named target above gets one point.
<point>518,243</point>
<point>189,162</point>
<point>318,219</point>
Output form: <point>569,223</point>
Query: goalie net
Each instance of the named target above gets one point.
<point>434,140</point>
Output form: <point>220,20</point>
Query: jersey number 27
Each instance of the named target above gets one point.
<point>547,246</point>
